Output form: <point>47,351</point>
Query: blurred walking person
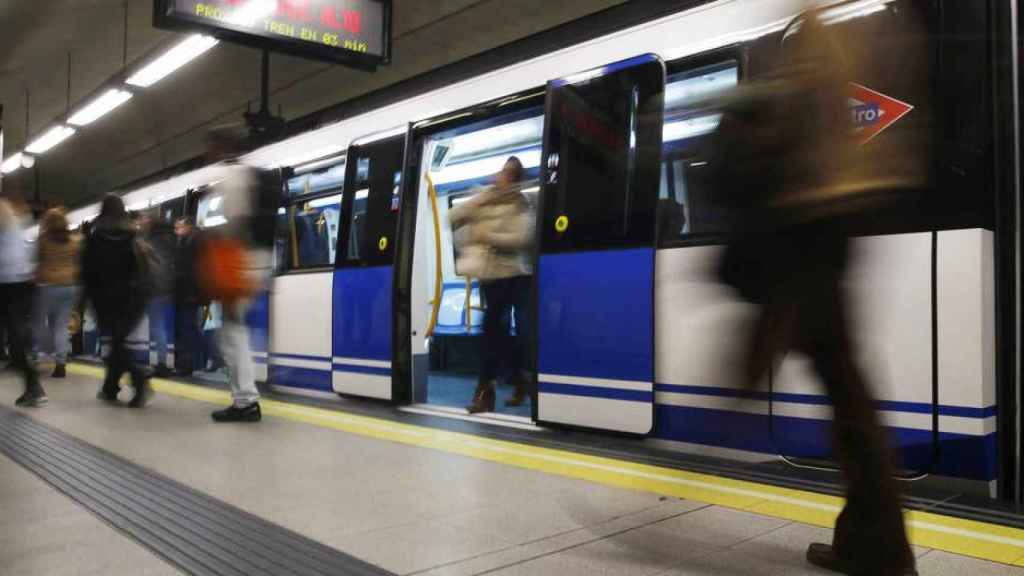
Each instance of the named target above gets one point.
<point>161,239</point>
<point>56,279</point>
<point>789,164</point>
<point>186,298</point>
<point>495,229</point>
<point>16,298</point>
<point>238,257</point>
<point>115,280</point>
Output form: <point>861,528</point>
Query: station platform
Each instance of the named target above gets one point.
<point>88,488</point>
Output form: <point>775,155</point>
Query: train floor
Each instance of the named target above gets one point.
<point>89,488</point>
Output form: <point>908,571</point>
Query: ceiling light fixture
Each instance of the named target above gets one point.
<point>181,54</point>
<point>11,164</point>
<point>99,107</point>
<point>50,139</point>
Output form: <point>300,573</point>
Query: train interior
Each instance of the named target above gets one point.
<point>460,163</point>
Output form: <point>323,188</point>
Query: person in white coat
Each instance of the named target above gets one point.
<point>495,233</point>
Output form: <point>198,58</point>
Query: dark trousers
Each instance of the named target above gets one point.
<point>119,360</point>
<point>186,336</point>
<point>15,304</point>
<point>806,311</point>
<point>500,349</point>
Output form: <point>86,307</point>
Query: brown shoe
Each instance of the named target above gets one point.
<point>483,399</point>
<point>521,395</point>
<point>824,556</point>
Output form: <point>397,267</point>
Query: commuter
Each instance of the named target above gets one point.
<point>186,298</point>
<point>161,239</point>
<point>239,257</point>
<point>57,279</point>
<point>788,163</point>
<point>494,230</point>
<point>115,279</point>
<point>16,297</point>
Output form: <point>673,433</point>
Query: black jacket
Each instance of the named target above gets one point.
<point>186,283</point>
<point>110,274</point>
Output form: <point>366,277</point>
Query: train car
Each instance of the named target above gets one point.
<point>631,332</point>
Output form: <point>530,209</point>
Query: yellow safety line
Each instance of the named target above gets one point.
<point>959,536</point>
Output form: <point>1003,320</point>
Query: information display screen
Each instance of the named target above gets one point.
<point>355,32</point>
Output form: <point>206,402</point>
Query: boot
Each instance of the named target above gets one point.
<point>824,556</point>
<point>59,371</point>
<point>483,398</point>
<point>522,394</point>
<point>143,392</point>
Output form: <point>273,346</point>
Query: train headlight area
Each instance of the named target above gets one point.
<point>614,434</point>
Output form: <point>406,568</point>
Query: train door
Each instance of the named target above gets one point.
<point>459,158</point>
<point>595,274</point>
<point>304,255</point>
<point>363,276</point>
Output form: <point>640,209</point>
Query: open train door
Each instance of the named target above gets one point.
<point>595,272</point>
<point>363,276</point>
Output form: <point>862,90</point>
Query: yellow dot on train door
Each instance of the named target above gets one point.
<point>383,243</point>
<point>562,224</point>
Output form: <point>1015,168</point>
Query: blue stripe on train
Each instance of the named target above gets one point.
<point>362,369</point>
<point>596,392</point>
<point>361,326</point>
<point>301,378</point>
<point>961,455</point>
<point>822,400</point>
<point>592,323</point>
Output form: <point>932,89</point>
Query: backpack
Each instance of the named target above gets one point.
<point>147,268</point>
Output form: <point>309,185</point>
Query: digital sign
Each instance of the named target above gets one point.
<point>351,32</point>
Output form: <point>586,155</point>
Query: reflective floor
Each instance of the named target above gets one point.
<point>407,499</point>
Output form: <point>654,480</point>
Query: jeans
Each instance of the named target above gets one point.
<point>500,348</point>
<point>158,328</point>
<point>15,300</point>
<point>186,336</point>
<point>120,360</point>
<point>52,312</point>
<point>234,344</point>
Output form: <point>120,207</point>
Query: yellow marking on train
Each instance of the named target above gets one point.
<point>959,536</point>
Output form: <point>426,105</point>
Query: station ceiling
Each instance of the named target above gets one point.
<point>164,125</point>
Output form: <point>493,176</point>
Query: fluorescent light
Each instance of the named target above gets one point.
<point>329,201</point>
<point>11,164</point>
<point>484,167</point>
<point>681,92</point>
<point>844,12</point>
<point>214,221</point>
<point>97,108</point>
<point>50,139</point>
<point>690,127</point>
<point>181,54</point>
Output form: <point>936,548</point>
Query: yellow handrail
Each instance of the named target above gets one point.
<point>436,302</point>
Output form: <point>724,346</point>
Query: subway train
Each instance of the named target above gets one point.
<point>632,335</point>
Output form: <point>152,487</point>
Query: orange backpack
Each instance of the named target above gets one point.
<point>222,270</point>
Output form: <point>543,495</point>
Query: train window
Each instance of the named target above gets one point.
<point>211,211</point>
<point>313,228</point>
<point>687,207</point>
<point>307,230</point>
<point>372,201</point>
<point>599,180</point>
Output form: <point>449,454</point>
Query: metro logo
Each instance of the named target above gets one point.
<point>872,112</point>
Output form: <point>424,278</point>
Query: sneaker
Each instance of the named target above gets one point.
<point>250,413</point>
<point>32,399</point>
<point>59,371</point>
<point>143,394</point>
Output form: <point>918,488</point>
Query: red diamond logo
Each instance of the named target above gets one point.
<point>872,112</point>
